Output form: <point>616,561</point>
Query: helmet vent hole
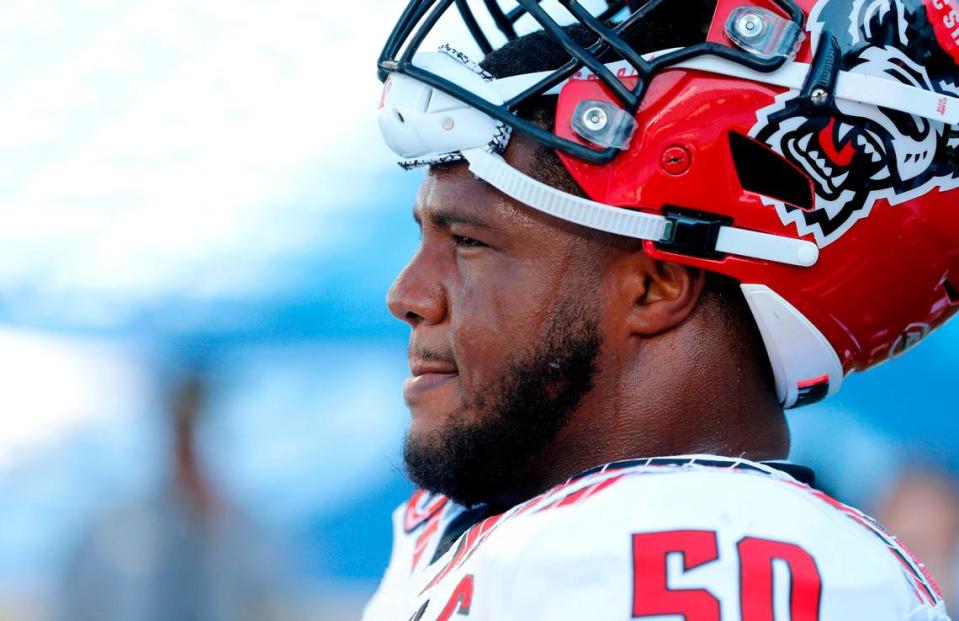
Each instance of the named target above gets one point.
<point>763,171</point>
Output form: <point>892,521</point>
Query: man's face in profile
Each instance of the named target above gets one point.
<point>505,334</point>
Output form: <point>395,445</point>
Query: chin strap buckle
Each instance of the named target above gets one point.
<point>692,233</point>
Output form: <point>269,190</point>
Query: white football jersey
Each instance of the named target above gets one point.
<point>694,538</point>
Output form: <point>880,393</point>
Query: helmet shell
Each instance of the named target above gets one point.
<point>883,200</point>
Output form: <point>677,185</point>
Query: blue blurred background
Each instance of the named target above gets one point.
<point>199,223</point>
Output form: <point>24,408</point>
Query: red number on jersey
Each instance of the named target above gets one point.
<point>756,558</point>
<point>460,600</point>
<point>651,595</point>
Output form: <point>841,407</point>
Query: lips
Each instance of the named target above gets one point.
<point>428,376</point>
<point>418,368</point>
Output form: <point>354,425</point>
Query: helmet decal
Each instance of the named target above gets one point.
<point>857,154</point>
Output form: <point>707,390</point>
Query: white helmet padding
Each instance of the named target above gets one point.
<point>801,357</point>
<point>425,126</point>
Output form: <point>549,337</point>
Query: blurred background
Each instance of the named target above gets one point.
<point>200,414</point>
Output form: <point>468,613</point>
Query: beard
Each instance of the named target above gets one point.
<point>486,445</point>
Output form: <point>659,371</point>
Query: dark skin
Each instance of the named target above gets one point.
<point>670,378</point>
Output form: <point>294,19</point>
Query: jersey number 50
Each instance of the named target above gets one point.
<point>652,595</point>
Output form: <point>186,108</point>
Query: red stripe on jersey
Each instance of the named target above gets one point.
<point>416,515</point>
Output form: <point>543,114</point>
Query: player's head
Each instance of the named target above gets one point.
<point>793,169</point>
<point>530,312</point>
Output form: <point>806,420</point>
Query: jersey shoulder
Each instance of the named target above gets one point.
<point>731,534</point>
<point>418,528</point>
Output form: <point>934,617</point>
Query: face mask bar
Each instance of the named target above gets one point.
<point>420,16</point>
<point>506,20</point>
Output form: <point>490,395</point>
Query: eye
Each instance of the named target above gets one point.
<point>462,241</point>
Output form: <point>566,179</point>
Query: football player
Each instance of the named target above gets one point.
<point>645,234</point>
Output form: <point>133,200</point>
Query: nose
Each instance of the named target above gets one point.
<point>417,295</point>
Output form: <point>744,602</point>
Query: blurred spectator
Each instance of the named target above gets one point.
<point>922,509</point>
<point>182,554</point>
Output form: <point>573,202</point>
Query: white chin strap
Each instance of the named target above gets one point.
<point>494,170</point>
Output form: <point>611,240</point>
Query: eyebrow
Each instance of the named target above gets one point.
<point>447,217</point>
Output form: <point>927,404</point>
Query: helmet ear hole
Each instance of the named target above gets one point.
<point>763,171</point>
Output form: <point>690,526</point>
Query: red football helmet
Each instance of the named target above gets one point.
<point>808,149</point>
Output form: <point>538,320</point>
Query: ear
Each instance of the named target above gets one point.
<point>655,296</point>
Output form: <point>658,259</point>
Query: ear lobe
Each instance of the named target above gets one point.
<point>668,296</point>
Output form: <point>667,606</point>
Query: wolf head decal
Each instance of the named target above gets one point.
<point>858,154</point>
